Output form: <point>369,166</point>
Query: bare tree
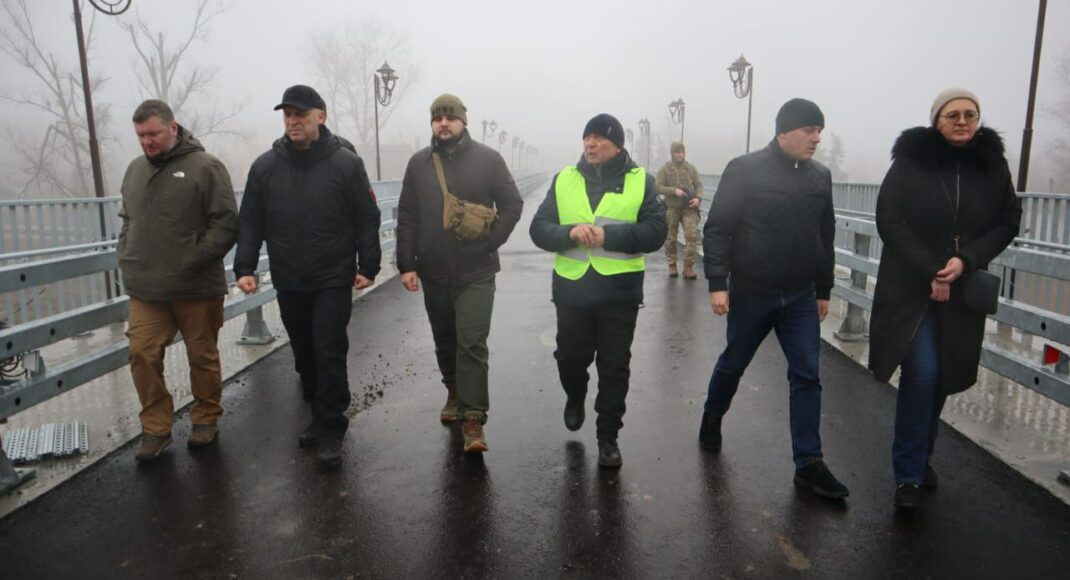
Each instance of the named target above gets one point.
<point>57,162</point>
<point>1060,111</point>
<point>831,154</point>
<point>159,64</point>
<point>345,59</point>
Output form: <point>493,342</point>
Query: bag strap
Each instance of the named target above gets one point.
<point>441,175</point>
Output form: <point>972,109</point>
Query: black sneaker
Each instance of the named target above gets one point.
<point>330,452</point>
<point>907,496</point>
<point>308,437</point>
<point>709,433</point>
<point>609,454</point>
<point>820,480</point>
<point>929,480</point>
<point>574,413</point>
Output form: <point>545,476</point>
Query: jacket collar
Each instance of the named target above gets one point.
<point>926,145</point>
<point>617,166</point>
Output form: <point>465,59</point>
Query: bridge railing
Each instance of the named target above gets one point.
<point>83,291</point>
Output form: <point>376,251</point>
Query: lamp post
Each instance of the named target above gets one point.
<point>520,154</point>
<point>644,130</point>
<point>493,127</point>
<point>741,73</point>
<point>676,110</point>
<point>385,79</point>
<point>629,136</point>
<point>501,141</point>
<point>512,155</point>
<point>111,8</point>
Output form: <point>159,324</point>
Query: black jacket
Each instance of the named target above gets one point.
<point>917,220</point>
<point>474,172</point>
<point>317,212</point>
<point>771,226</point>
<point>644,236</point>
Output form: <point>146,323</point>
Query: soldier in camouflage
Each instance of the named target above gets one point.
<point>679,183</point>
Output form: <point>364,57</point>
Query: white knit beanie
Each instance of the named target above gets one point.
<point>948,95</point>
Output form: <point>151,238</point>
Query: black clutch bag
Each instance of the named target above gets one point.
<point>980,292</point>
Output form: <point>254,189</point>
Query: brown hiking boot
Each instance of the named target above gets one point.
<point>672,270</point>
<point>449,410</point>
<point>689,271</point>
<point>475,441</point>
<point>151,446</point>
<point>202,435</point>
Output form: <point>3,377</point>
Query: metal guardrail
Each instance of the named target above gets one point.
<point>93,256</point>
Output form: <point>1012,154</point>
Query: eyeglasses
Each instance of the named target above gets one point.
<point>970,117</point>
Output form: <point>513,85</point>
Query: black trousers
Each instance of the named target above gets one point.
<point>316,322</point>
<point>602,335</point>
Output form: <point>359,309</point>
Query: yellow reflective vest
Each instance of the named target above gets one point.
<point>574,207</point>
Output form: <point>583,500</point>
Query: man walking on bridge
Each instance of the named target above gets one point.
<point>179,220</point>
<point>599,217</point>
<point>769,255</point>
<point>678,181</point>
<point>310,199</point>
<point>458,205</point>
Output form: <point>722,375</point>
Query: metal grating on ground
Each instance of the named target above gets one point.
<point>27,445</point>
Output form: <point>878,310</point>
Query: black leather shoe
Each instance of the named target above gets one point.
<point>907,496</point>
<point>574,413</point>
<point>608,454</point>
<point>330,452</point>
<point>308,437</point>
<point>709,433</point>
<point>820,480</point>
<point>929,480</point>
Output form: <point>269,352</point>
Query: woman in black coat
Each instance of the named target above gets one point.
<point>945,209</point>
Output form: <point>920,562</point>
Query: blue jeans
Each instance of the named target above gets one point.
<point>795,319</point>
<point>918,406</point>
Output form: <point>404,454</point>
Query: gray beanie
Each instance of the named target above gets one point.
<point>447,104</point>
<point>948,95</point>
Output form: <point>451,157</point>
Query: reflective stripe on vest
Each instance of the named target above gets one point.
<point>574,207</point>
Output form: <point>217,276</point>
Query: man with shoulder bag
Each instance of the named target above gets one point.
<point>458,205</point>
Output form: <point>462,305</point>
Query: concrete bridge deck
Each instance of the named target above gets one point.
<point>408,504</point>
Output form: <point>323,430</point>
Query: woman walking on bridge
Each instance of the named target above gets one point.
<point>946,208</point>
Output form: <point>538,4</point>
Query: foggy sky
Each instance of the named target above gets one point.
<point>542,69</point>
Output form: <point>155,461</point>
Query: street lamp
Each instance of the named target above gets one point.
<point>111,8</point>
<point>644,130</point>
<point>501,140</point>
<point>676,110</point>
<point>741,73</point>
<point>629,136</point>
<point>385,79</point>
<point>520,156</point>
<point>493,127</point>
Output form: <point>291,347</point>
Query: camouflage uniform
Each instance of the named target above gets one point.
<point>681,175</point>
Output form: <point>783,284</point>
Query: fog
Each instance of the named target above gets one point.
<point>542,70</point>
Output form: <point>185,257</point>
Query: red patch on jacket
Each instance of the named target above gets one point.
<point>371,193</point>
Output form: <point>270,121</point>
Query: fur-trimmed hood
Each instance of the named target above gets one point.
<point>926,146</point>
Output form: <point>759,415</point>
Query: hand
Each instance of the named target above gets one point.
<point>247,284</point>
<point>941,291</point>
<point>411,281</point>
<point>952,271</point>
<point>822,309</point>
<point>362,282</point>
<point>693,203</point>
<point>581,234</point>
<point>598,236</point>
<point>679,192</point>
<point>719,302</point>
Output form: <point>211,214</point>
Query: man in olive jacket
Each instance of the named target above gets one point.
<point>179,220</point>
<point>679,183</point>
<point>310,199</point>
<point>458,274</point>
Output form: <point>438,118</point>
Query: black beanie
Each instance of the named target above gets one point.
<point>606,125</point>
<point>798,113</point>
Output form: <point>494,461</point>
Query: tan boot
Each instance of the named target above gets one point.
<point>689,271</point>
<point>672,270</point>
<point>449,410</point>
<point>475,441</point>
<point>202,435</point>
<point>151,446</point>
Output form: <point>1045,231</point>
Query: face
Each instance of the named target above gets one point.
<point>678,156</point>
<point>155,136</point>
<point>447,127</point>
<point>800,143</point>
<point>303,127</point>
<point>954,124</point>
<point>597,149</point>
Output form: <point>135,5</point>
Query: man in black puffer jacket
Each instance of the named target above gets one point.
<point>310,199</point>
<point>768,245</point>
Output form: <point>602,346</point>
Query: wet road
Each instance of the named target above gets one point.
<point>408,504</point>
